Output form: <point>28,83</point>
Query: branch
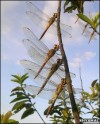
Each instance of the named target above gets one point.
<point>67,74</point>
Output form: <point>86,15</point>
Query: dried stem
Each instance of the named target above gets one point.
<point>67,74</point>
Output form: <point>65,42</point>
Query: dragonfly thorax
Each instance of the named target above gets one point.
<point>56,47</point>
<point>55,15</point>
<point>59,61</point>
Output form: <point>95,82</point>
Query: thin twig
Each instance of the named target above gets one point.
<point>67,74</point>
<point>34,106</point>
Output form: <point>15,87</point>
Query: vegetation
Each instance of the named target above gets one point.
<point>62,112</point>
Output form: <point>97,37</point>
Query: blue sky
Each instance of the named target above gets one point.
<point>13,19</point>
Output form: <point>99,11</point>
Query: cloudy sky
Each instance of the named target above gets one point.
<point>13,19</point>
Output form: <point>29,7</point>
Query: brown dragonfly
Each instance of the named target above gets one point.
<point>50,54</point>
<point>45,22</point>
<point>54,93</point>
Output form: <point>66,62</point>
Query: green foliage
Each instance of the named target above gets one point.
<point>21,100</point>
<point>72,5</point>
<point>93,22</point>
<point>92,99</point>
<point>28,112</point>
<point>6,118</point>
<point>20,79</point>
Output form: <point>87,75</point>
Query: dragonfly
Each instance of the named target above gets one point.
<point>52,95</point>
<point>41,19</point>
<point>53,69</point>
<point>50,54</point>
<point>57,92</point>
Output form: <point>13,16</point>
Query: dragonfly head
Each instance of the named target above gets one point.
<point>56,47</point>
<point>55,15</point>
<point>63,80</point>
<point>59,61</point>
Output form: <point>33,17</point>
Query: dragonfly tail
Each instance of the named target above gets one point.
<point>44,32</point>
<point>41,68</point>
<point>51,106</point>
<point>42,86</point>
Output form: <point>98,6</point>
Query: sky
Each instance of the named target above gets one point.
<point>13,19</point>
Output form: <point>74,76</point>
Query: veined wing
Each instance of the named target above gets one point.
<point>40,80</point>
<point>44,16</point>
<point>58,75</point>
<point>48,93</point>
<point>37,54</point>
<point>38,16</point>
<point>34,67</point>
<point>33,44</point>
<point>51,84</point>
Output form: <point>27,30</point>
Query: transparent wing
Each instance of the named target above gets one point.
<point>40,18</point>
<point>40,80</point>
<point>32,37</point>
<point>44,16</point>
<point>35,67</point>
<point>47,93</point>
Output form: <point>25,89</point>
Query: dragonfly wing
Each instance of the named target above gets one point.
<point>37,54</point>
<point>39,45</point>
<point>46,93</point>
<point>38,16</point>
<point>37,11</point>
<point>34,67</point>
<point>31,36</point>
<point>61,73</point>
<point>75,90</point>
<point>40,80</point>
<point>43,23</point>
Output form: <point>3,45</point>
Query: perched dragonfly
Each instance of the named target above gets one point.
<point>41,19</point>
<point>53,69</point>
<point>57,92</point>
<point>50,54</point>
<point>52,94</point>
<point>49,93</point>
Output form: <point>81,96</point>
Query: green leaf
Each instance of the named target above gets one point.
<point>24,77</point>
<point>19,104</point>
<point>65,4</point>
<point>27,113</point>
<point>16,77</point>
<point>15,80</point>
<point>20,108</point>
<point>94,82</point>
<point>96,17</point>
<point>19,98</point>
<point>86,19</point>
<point>69,9</point>
<point>12,121</point>
<point>17,89</point>
<point>17,93</point>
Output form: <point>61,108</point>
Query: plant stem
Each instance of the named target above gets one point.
<point>33,106</point>
<point>67,74</point>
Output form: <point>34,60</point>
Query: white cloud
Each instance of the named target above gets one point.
<point>81,57</point>
<point>89,55</point>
